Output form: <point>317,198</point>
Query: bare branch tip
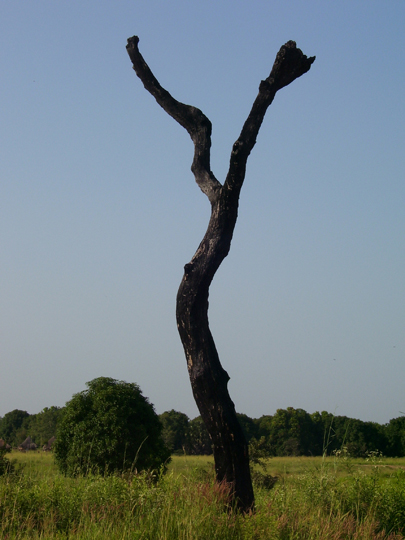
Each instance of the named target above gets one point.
<point>293,45</point>
<point>132,42</point>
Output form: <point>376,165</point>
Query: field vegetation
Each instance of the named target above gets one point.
<point>316,476</point>
<point>338,497</point>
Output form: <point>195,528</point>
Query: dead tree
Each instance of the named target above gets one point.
<point>209,380</point>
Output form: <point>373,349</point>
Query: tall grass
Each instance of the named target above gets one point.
<point>329,499</point>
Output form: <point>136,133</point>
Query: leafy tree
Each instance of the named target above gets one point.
<point>11,426</point>
<point>109,427</point>
<point>356,436</point>
<point>363,437</point>
<point>200,441</point>
<point>264,425</point>
<point>319,433</point>
<point>288,432</point>
<point>248,425</point>
<point>395,436</point>
<point>43,426</point>
<point>175,432</point>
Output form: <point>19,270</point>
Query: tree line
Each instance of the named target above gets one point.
<point>289,432</point>
<point>17,425</point>
<point>292,432</point>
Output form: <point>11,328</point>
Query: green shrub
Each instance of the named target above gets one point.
<point>109,427</point>
<point>259,450</point>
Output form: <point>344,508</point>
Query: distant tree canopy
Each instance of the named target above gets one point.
<point>200,442</point>
<point>182,435</point>
<point>288,432</point>
<point>12,425</point>
<point>175,430</point>
<point>109,427</point>
<point>294,432</point>
<point>395,435</point>
<point>42,426</point>
<point>17,425</point>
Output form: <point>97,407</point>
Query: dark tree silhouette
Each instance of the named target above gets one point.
<point>208,378</point>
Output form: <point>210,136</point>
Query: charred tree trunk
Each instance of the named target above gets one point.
<point>209,380</point>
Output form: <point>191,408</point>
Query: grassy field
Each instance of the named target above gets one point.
<point>42,463</point>
<point>314,498</point>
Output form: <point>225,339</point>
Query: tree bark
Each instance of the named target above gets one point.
<point>209,381</point>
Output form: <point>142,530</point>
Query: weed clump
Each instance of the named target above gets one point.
<point>258,455</point>
<point>7,466</point>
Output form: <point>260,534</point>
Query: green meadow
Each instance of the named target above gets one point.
<point>314,498</point>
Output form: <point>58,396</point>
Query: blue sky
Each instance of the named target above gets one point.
<point>99,210</point>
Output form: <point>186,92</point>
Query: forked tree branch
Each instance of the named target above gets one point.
<point>290,63</point>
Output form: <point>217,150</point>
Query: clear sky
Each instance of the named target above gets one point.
<point>99,210</point>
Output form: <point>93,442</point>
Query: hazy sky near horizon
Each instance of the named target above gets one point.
<point>99,210</point>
